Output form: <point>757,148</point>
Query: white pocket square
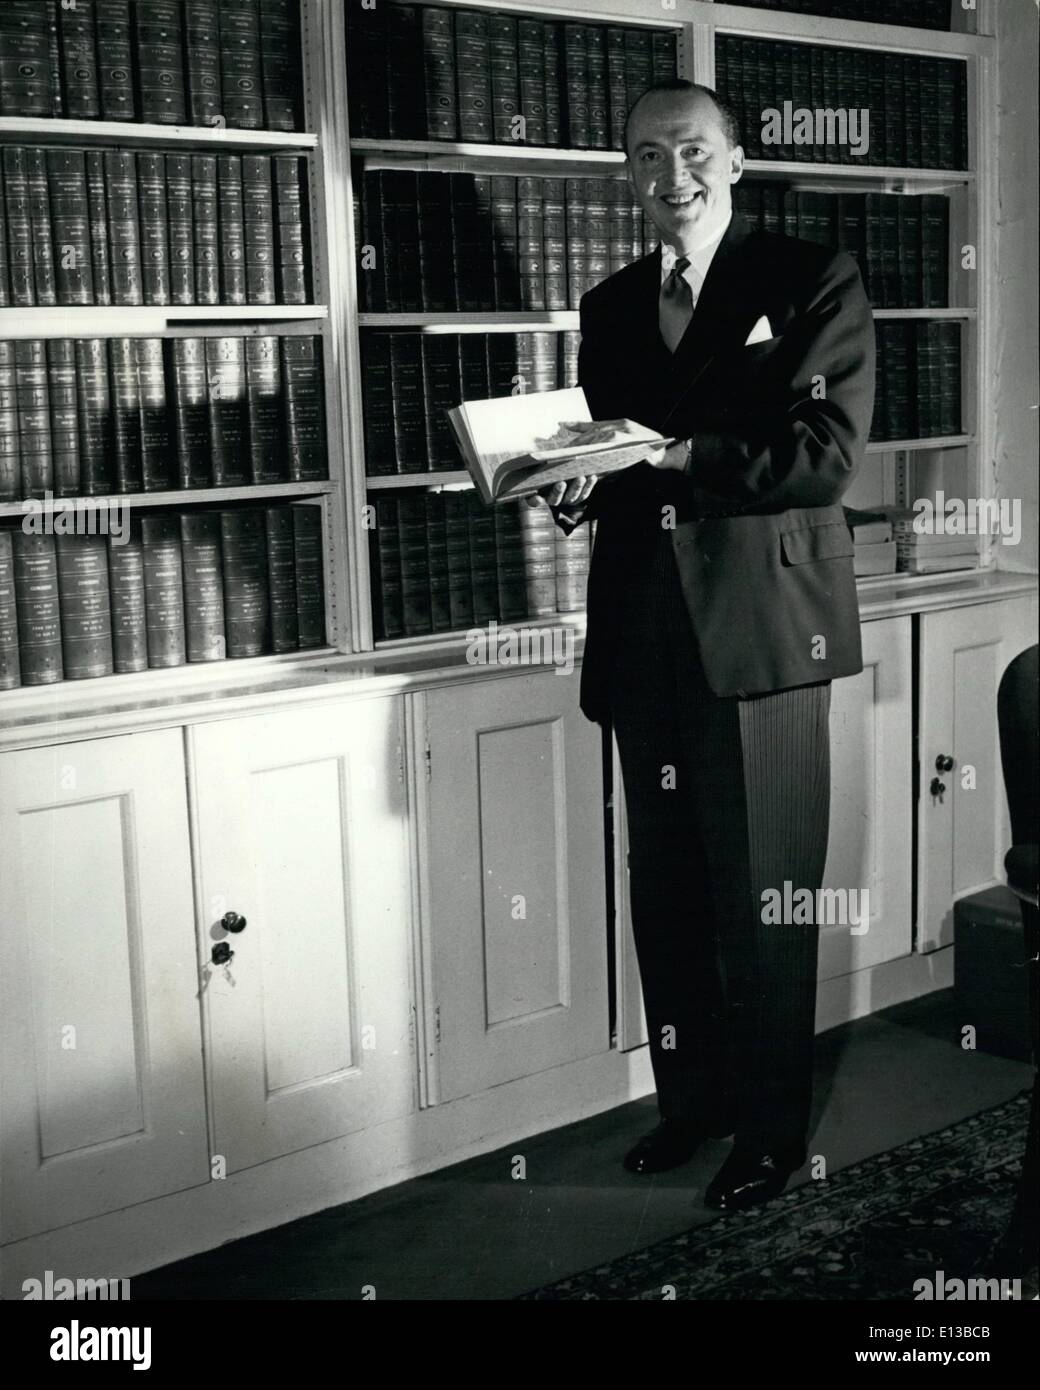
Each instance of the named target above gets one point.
<point>760,333</point>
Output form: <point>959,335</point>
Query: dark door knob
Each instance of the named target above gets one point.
<point>221,953</point>
<point>232,921</point>
<point>944,763</point>
<point>937,788</point>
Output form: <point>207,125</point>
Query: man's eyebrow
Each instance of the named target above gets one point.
<point>683,138</point>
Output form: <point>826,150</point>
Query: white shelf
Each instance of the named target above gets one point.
<point>432,481</point>
<point>925,313</point>
<point>112,320</point>
<point>514,321</point>
<point>178,497</point>
<point>945,441</point>
<point>16,130</point>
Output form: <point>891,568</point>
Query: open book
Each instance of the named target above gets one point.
<point>514,445</point>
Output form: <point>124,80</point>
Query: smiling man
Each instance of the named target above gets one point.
<point>721,605</point>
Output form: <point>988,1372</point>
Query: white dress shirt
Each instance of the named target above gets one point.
<point>700,260</point>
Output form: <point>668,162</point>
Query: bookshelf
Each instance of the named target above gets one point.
<point>896,469</point>
<point>315,145</point>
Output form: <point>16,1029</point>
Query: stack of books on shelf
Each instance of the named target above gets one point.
<point>445,562</point>
<point>411,380</point>
<point>83,226</point>
<point>493,242</point>
<point>918,380</point>
<point>161,590</point>
<point>922,14</point>
<point>918,106</point>
<point>93,416</point>
<point>426,72</point>
<point>930,552</point>
<point>875,547</point>
<point>901,241</point>
<point>204,62</point>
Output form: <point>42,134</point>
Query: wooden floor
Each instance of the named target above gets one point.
<point>474,1232</point>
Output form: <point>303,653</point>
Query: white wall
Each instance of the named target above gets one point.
<point>1018,250</point>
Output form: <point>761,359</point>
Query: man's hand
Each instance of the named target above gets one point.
<point>575,490</point>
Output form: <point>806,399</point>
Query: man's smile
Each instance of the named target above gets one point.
<point>682,200</point>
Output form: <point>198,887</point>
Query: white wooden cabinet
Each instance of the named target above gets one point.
<point>302,830</point>
<point>870,845</point>
<point>102,1102</point>
<point>513,881</point>
<point>964,834</point>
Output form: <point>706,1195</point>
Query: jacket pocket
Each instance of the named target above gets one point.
<point>828,542</point>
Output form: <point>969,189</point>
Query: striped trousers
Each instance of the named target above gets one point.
<point>726,798</point>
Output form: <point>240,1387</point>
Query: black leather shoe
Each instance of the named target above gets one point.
<point>748,1179</point>
<point>669,1145</point>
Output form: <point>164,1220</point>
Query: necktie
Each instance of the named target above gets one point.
<point>675,306</point>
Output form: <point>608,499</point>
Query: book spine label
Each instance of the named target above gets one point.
<point>232,229</point>
<point>61,389</point>
<point>163,590</point>
<point>281,574</point>
<point>202,60</point>
<point>229,428</point>
<point>191,412</point>
<point>10,666</point>
<point>126,596</point>
<point>159,51</point>
<point>180,225</point>
<point>40,222</point>
<point>264,401</point>
<point>115,60</point>
<point>304,390</point>
<point>280,63</point>
<point>70,221</point>
<point>19,227</point>
<point>34,417</point>
<point>126,413</point>
<point>240,70</point>
<point>293,268</point>
<point>39,614</point>
<point>202,562</point>
<point>247,619</point>
<point>259,227</point>
<point>124,234</point>
<point>310,575</point>
<point>204,213</point>
<point>97,212</point>
<point>95,417</point>
<point>157,460</point>
<point>153,217</point>
<point>10,448</point>
<point>25,60</point>
<point>86,618</point>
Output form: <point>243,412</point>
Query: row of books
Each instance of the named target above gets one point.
<point>411,380</point>
<point>901,241</point>
<point>918,381</point>
<point>445,562</point>
<point>886,542</point>
<point>918,106</point>
<point>95,416</point>
<point>85,226</point>
<point>171,588</point>
<point>200,62</point>
<point>421,72</point>
<point>492,241</point>
<point>921,14</point>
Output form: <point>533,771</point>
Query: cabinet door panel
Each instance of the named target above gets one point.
<point>964,836</point>
<point>516,892</point>
<point>302,830</point>
<point>103,1100</point>
<point>870,847</point>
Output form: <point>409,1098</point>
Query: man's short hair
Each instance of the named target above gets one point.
<point>727,114</point>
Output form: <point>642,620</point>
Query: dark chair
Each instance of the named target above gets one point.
<point>1018,714</point>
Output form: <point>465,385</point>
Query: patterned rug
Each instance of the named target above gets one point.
<point>867,1232</point>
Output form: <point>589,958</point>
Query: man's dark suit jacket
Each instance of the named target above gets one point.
<point>778,429</point>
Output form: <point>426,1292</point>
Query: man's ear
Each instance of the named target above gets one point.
<point>736,163</point>
<point>629,176</point>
